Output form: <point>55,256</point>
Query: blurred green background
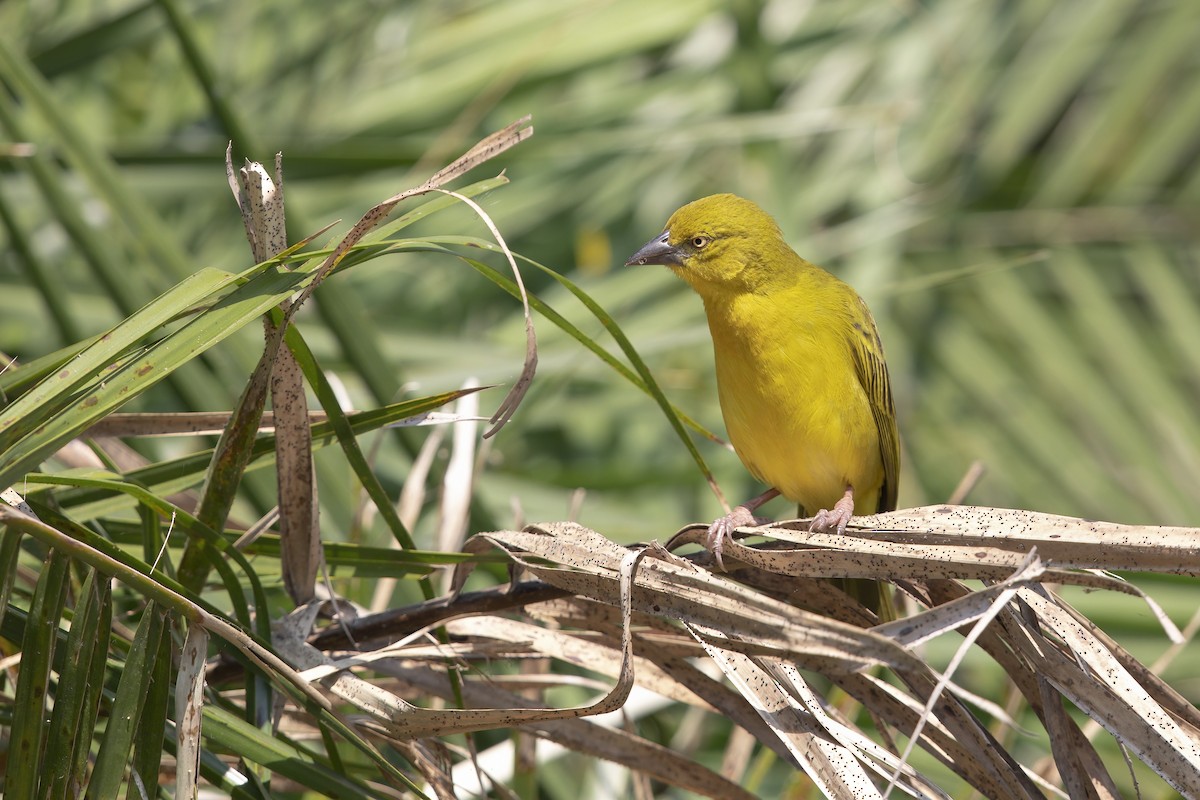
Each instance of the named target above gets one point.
<point>1011,184</point>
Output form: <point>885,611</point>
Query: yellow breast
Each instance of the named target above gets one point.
<point>795,410</point>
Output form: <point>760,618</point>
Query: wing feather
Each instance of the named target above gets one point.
<point>872,374</point>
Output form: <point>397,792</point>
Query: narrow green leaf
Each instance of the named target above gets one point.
<point>543,308</point>
<point>111,561</point>
<point>94,687</point>
<point>232,586</point>
<point>28,737</point>
<point>95,399</point>
<point>79,686</point>
<point>345,434</point>
<point>10,549</point>
<point>100,253</point>
<point>644,380</point>
<point>342,557</point>
<point>45,400</point>
<point>224,475</point>
<point>148,740</point>
<point>184,27</point>
<point>41,275</point>
<point>152,538</point>
<point>21,376</point>
<point>171,476</point>
<point>227,733</point>
<point>125,715</point>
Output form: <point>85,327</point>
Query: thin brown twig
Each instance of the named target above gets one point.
<point>968,482</point>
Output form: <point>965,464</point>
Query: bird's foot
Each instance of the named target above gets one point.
<point>836,518</point>
<point>722,530</point>
<point>741,517</point>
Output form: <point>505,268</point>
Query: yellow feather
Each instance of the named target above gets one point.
<point>803,386</point>
<point>800,370</point>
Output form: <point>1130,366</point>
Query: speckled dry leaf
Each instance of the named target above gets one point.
<point>583,736</point>
<point>671,650</point>
<point>871,754</point>
<point>402,720</point>
<point>956,542</point>
<point>763,634</point>
<point>1063,542</point>
<point>970,542</point>
<point>832,769</point>
<point>301,554</point>
<point>14,499</point>
<point>1030,570</point>
<point>603,656</point>
<point>923,626</point>
<point>1107,692</point>
<point>189,711</point>
<point>262,203</point>
<point>581,561</point>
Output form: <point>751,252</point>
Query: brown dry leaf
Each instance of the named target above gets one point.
<point>1085,671</point>
<point>189,706</point>
<point>180,423</point>
<point>739,620</point>
<point>402,720</point>
<point>13,498</point>
<point>581,561</point>
<point>762,641</point>
<point>600,654</point>
<point>874,755</point>
<point>833,769</point>
<point>490,147</point>
<point>262,204</point>
<point>1063,542</point>
<point>583,736</point>
<point>678,629</point>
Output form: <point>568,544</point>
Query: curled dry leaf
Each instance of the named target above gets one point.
<point>678,630</point>
<point>747,621</point>
<point>261,201</point>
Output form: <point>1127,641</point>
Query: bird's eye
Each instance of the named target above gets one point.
<point>700,242</point>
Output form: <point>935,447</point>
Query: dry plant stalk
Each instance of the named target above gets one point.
<point>262,209</point>
<point>261,202</point>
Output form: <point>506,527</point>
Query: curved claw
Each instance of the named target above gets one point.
<point>741,517</point>
<point>838,517</point>
<point>722,530</point>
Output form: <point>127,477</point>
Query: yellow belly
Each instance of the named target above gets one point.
<point>795,410</point>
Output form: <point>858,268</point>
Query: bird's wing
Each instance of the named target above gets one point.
<point>873,376</point>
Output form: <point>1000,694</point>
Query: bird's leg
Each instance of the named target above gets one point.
<point>740,517</point>
<point>837,517</point>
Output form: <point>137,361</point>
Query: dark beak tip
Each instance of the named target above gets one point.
<point>655,251</point>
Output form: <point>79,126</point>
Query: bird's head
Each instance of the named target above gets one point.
<point>718,244</point>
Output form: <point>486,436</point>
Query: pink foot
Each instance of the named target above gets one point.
<point>722,530</point>
<point>740,517</point>
<point>837,517</point>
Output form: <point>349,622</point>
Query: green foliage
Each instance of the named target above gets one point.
<point>1011,185</point>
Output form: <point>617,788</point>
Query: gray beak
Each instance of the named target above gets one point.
<point>656,251</point>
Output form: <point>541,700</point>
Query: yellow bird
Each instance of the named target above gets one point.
<point>801,377</point>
